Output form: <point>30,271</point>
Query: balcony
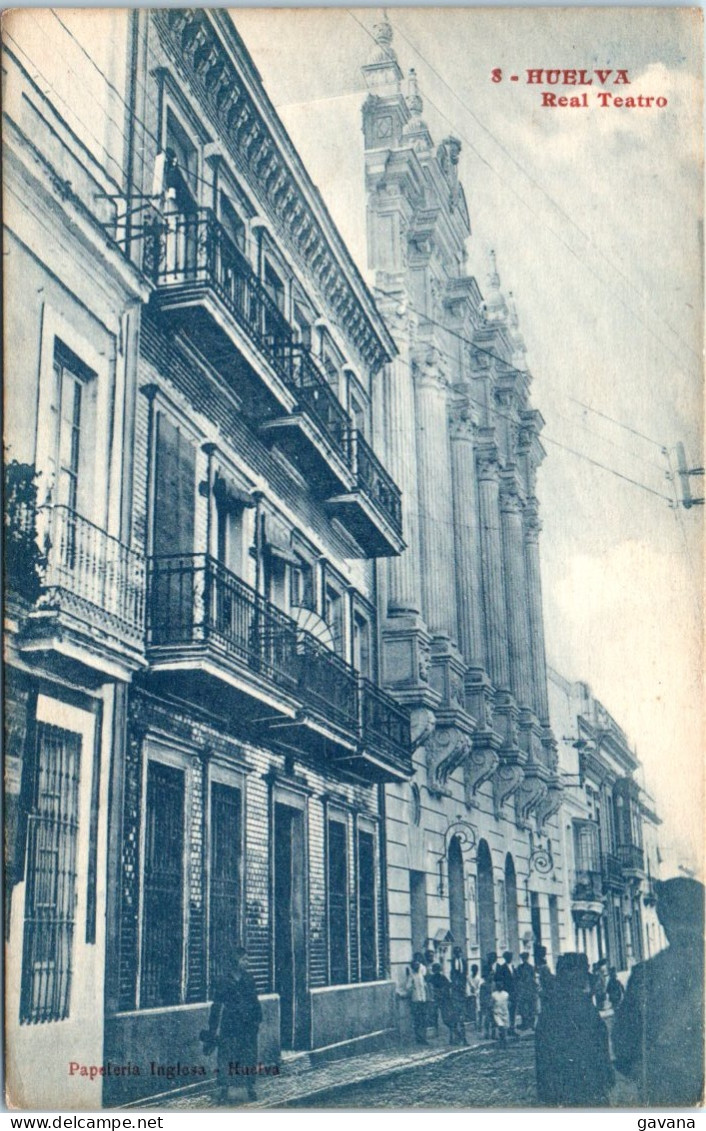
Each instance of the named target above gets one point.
<point>372,511</point>
<point>213,638</point>
<point>587,902</point>
<point>87,596</point>
<point>612,870</point>
<point>206,289</point>
<point>632,860</point>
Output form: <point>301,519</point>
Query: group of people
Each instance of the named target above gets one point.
<point>657,1035</point>
<point>490,1001</point>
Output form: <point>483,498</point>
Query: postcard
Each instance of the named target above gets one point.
<point>353,558</point>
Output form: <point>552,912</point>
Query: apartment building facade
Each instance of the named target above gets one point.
<point>610,832</point>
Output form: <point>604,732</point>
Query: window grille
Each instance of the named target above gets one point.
<point>163,920</point>
<point>225,892</point>
<point>50,902</point>
<point>366,906</point>
<point>337,902</point>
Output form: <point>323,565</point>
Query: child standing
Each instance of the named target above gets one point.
<point>501,1010</point>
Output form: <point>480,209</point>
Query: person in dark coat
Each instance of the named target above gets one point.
<point>440,988</point>
<point>459,984</point>
<point>233,1025</point>
<point>545,978</point>
<point>614,989</point>
<point>526,983</point>
<point>571,1042</point>
<point>658,1032</point>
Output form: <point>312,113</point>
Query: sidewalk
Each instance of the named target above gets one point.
<point>300,1080</point>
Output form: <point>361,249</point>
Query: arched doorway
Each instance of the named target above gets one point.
<point>513,934</point>
<point>486,901</point>
<point>457,894</point>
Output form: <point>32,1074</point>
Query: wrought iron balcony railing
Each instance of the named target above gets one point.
<point>91,572</point>
<point>612,869</point>
<point>194,600</point>
<point>632,858</point>
<point>588,886</point>
<point>375,481</point>
<point>384,723</point>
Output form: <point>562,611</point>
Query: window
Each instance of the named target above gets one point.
<point>232,223</point>
<point>366,906</point>
<point>302,585</point>
<point>50,902</point>
<point>361,646</point>
<point>163,900</point>
<point>359,415</point>
<point>184,167</point>
<point>418,910</point>
<point>302,325</point>
<point>586,846</point>
<point>274,287</point>
<point>333,615</point>
<point>225,883</point>
<point>338,901</point>
<point>75,396</point>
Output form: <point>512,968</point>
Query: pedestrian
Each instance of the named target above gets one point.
<point>233,1026</point>
<point>658,1032</point>
<point>486,1024</point>
<point>459,981</point>
<point>416,989</point>
<point>526,983</point>
<point>472,1002</point>
<point>600,983</point>
<point>545,978</point>
<point>441,994</point>
<point>571,1042</point>
<point>501,1009</point>
<point>505,971</point>
<point>614,989</point>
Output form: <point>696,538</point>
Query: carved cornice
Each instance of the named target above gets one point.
<point>487,463</point>
<point>506,780</point>
<point>533,525</point>
<point>256,152</point>
<point>428,368</point>
<point>549,805</point>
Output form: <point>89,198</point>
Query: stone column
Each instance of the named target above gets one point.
<point>400,459</point>
<point>465,512</point>
<point>494,610</point>
<point>516,595</point>
<point>436,540</point>
<point>533,526</point>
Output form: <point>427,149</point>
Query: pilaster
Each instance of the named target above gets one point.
<point>465,518</point>
<point>516,591</point>
<point>494,607</point>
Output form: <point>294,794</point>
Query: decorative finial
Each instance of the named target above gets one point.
<point>382,33</point>
<point>414,98</point>
<point>493,277</point>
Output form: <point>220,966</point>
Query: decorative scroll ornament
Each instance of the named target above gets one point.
<point>446,750</point>
<point>532,791</point>
<point>479,767</point>
<point>465,834</point>
<point>426,721</point>
<point>506,780</point>
<point>548,806</point>
<point>541,860</point>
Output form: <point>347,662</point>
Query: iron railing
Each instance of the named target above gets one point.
<point>183,249</point>
<point>194,600</point>
<point>632,857</point>
<point>612,869</point>
<point>91,572</point>
<point>384,723</point>
<point>588,886</point>
<point>375,481</point>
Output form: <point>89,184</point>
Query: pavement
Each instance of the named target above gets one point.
<point>395,1075</point>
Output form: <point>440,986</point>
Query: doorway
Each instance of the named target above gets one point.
<point>289,924</point>
<point>457,895</point>
<point>486,902</point>
<point>513,934</point>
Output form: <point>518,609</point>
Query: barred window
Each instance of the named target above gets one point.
<point>366,906</point>
<point>52,828</point>
<point>163,918</point>
<point>225,892</point>
<point>338,902</point>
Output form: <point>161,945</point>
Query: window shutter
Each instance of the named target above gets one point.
<point>174,491</point>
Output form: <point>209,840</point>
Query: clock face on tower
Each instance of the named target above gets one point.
<point>384,127</point>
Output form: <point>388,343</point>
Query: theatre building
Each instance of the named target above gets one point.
<point>247,793</point>
<point>474,857</point>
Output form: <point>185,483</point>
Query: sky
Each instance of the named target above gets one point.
<point>595,216</point>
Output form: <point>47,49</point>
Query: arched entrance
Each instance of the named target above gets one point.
<point>513,934</point>
<point>486,901</point>
<point>457,894</point>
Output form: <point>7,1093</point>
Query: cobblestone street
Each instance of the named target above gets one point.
<point>482,1077</point>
